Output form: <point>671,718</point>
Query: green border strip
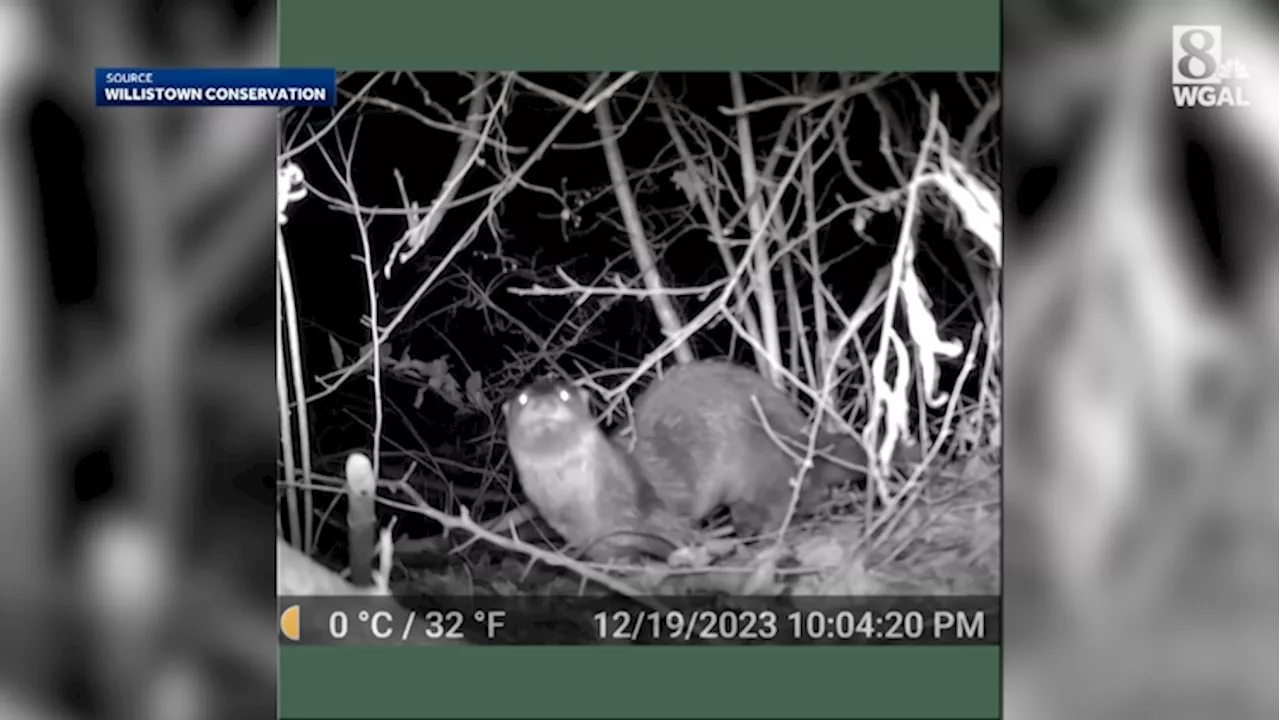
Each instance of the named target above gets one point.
<point>688,35</point>
<point>640,682</point>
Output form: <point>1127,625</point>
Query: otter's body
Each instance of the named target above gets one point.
<point>700,441</point>
<point>584,485</point>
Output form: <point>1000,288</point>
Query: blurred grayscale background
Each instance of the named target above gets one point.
<point>138,426</point>
<point>138,441</point>
<point>1141,368</point>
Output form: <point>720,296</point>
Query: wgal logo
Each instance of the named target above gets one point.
<point>1201,77</point>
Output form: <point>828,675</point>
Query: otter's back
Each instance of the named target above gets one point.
<point>700,441</point>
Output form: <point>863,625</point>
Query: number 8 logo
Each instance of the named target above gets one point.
<point>1196,54</point>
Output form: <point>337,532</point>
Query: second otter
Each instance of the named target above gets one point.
<point>700,440</point>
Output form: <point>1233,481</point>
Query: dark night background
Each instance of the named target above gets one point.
<point>566,215</point>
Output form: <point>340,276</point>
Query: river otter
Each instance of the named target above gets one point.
<point>587,487</point>
<point>699,440</point>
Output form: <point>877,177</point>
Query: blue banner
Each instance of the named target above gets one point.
<point>274,87</point>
